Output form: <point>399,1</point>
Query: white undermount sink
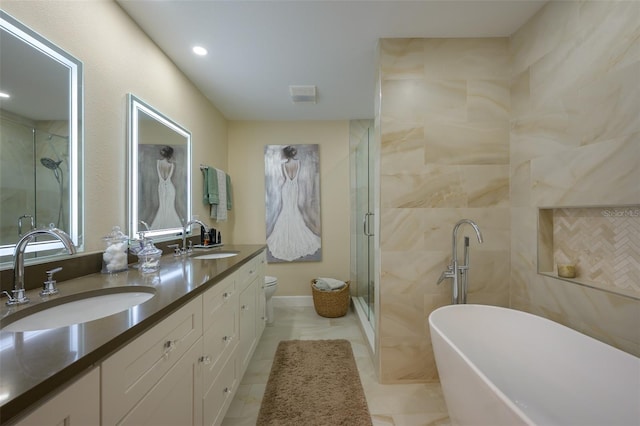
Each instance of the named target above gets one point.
<point>78,308</point>
<point>220,255</point>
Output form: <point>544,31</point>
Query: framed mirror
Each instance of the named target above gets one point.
<point>41,139</point>
<point>159,164</point>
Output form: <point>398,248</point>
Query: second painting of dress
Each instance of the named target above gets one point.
<point>292,199</point>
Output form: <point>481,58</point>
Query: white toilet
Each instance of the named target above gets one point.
<point>270,287</point>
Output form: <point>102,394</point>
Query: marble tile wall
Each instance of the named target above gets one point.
<point>492,130</point>
<point>575,141</point>
<point>444,156</point>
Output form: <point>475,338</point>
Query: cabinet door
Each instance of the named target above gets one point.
<point>219,341</point>
<point>218,397</point>
<point>79,404</point>
<point>261,308</point>
<point>247,317</point>
<point>176,399</point>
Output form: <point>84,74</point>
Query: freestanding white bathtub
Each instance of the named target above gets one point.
<point>501,366</point>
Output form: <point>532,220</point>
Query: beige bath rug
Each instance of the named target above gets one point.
<point>314,383</point>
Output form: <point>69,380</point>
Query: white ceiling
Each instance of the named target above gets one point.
<point>257,49</point>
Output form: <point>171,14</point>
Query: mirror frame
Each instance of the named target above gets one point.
<point>135,107</point>
<point>76,132</point>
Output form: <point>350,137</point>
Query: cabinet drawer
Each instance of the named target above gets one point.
<point>131,372</point>
<point>218,397</point>
<point>219,296</point>
<point>248,273</point>
<point>219,341</point>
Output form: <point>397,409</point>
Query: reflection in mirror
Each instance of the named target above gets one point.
<point>159,172</point>
<point>40,139</point>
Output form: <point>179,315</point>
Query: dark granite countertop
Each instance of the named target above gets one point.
<point>33,365</point>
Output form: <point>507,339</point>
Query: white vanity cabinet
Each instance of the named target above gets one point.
<point>184,370</point>
<point>156,379</point>
<point>78,404</point>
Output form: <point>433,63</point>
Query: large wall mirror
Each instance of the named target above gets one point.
<point>41,139</point>
<point>159,172</point>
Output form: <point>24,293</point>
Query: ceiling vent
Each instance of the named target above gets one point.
<point>303,94</point>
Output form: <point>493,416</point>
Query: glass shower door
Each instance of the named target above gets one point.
<point>364,235</point>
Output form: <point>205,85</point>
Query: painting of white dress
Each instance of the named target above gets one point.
<point>292,197</point>
<point>161,185</point>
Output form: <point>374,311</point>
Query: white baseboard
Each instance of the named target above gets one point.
<point>292,300</point>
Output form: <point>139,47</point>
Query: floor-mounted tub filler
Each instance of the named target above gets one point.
<point>501,366</point>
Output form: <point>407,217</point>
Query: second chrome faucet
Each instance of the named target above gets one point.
<point>186,228</point>
<point>459,273</point>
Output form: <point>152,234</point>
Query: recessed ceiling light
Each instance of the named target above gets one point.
<point>4,95</point>
<point>199,50</point>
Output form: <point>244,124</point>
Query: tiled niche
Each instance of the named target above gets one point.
<point>602,242</point>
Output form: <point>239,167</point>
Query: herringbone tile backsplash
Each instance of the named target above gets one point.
<point>604,243</point>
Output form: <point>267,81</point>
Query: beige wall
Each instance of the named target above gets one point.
<point>118,59</point>
<point>246,164</point>
<point>444,156</point>
<point>575,141</point>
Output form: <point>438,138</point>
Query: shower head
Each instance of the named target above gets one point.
<point>50,164</point>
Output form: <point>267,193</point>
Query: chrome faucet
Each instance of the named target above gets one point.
<point>18,260</point>
<point>186,228</point>
<point>459,273</point>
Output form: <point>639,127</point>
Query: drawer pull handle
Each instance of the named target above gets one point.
<point>227,294</point>
<point>227,339</point>
<point>244,307</point>
<point>206,360</point>
<point>227,390</point>
<point>169,346</point>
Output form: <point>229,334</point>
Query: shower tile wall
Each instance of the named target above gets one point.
<point>16,177</point>
<point>444,156</point>
<point>492,130</point>
<point>575,141</point>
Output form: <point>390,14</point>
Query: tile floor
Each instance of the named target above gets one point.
<point>397,405</point>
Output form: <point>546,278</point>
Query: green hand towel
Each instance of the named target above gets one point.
<point>211,186</point>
